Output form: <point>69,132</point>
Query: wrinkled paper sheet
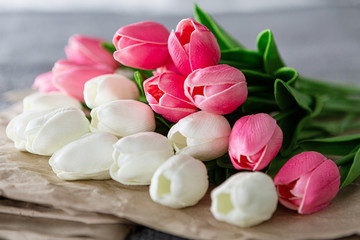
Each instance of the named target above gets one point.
<point>28,179</point>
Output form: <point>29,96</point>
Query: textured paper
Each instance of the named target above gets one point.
<point>28,178</point>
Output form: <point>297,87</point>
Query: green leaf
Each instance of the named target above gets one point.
<point>225,41</point>
<point>287,74</point>
<point>267,47</point>
<point>139,80</point>
<point>109,46</point>
<point>242,58</point>
<point>350,171</point>
<point>258,78</point>
<point>254,105</point>
<point>339,145</point>
<point>288,97</point>
<point>216,174</point>
<point>224,162</point>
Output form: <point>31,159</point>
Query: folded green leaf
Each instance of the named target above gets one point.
<point>351,170</point>
<point>267,47</point>
<point>257,78</point>
<point>242,58</point>
<point>339,145</point>
<point>287,74</point>
<point>225,41</point>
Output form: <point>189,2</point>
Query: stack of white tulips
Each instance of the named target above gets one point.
<point>120,143</point>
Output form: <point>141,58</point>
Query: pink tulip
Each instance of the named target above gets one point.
<point>70,77</point>
<point>307,182</point>
<point>88,50</point>
<point>254,141</point>
<point>193,46</point>
<point>142,45</point>
<point>44,83</point>
<point>165,94</point>
<point>218,89</point>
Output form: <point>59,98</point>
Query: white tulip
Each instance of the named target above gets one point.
<point>136,157</point>
<point>15,130</point>
<point>107,88</point>
<point>48,133</point>
<point>180,182</point>
<point>245,199</point>
<point>49,100</point>
<point>88,157</point>
<point>123,118</point>
<point>203,135</point>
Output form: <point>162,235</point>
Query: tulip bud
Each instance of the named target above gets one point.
<point>307,182</point>
<point>70,77</point>
<point>88,50</point>
<point>122,118</point>
<point>193,46</point>
<point>142,45</point>
<point>88,157</point>
<point>180,182</point>
<point>15,130</point>
<point>165,94</point>
<point>203,135</point>
<point>254,141</point>
<point>245,199</point>
<point>219,89</point>
<point>50,100</point>
<point>107,88</point>
<point>136,157</point>
<point>50,132</point>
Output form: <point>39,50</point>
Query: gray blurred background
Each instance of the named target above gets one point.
<point>319,38</point>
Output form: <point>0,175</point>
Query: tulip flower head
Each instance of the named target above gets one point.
<point>15,130</point>
<point>138,156</point>
<point>307,182</point>
<point>193,46</point>
<point>48,133</point>
<point>217,89</point>
<point>203,135</point>
<point>122,118</point>
<point>88,157</point>
<point>245,199</point>
<point>180,182</point>
<point>142,45</point>
<point>165,94</point>
<point>254,141</point>
<point>40,100</point>
<point>87,50</point>
<point>107,88</point>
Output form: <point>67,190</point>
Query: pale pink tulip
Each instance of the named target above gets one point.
<point>142,45</point>
<point>254,141</point>
<point>43,83</point>
<point>88,50</point>
<point>165,94</point>
<point>193,46</point>
<point>307,182</point>
<point>70,77</point>
<point>218,89</point>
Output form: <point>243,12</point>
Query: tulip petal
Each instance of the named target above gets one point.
<point>148,56</point>
<point>179,55</point>
<point>322,187</point>
<point>43,83</point>
<point>147,31</point>
<point>297,166</point>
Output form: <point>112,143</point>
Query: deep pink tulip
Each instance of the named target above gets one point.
<point>193,46</point>
<point>165,94</point>
<point>88,50</point>
<point>218,89</point>
<point>142,45</point>
<point>70,77</point>
<point>254,141</point>
<point>43,83</point>
<point>307,182</point>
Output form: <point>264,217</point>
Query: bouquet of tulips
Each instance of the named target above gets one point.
<point>179,110</point>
